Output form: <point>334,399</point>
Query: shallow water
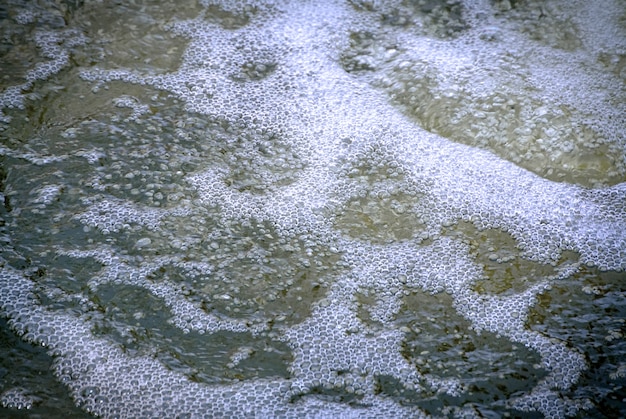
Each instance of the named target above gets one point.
<point>357,209</point>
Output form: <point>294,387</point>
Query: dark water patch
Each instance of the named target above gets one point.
<point>384,207</point>
<point>443,345</point>
<point>141,324</point>
<point>437,18</point>
<point>337,394</point>
<point>381,220</point>
<point>26,369</point>
<point>255,274</point>
<point>505,269</point>
<point>132,34</point>
<point>588,311</point>
<point>230,19</point>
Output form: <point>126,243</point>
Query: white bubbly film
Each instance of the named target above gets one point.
<point>314,208</point>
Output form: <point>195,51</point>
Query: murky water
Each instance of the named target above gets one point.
<point>356,209</point>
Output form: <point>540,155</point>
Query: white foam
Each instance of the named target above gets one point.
<point>277,85</point>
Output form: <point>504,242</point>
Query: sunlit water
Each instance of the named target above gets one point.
<point>313,209</point>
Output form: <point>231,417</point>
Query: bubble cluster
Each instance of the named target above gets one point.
<point>451,87</point>
<point>112,216</point>
<point>47,194</point>
<point>46,33</point>
<point>273,226</point>
<point>17,398</point>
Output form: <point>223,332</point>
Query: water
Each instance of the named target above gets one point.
<point>29,388</point>
<point>286,210</point>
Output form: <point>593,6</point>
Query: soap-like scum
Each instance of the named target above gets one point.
<point>330,191</point>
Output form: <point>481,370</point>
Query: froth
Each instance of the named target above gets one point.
<point>358,153</point>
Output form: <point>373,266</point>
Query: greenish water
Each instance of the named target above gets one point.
<point>26,368</point>
<point>351,209</point>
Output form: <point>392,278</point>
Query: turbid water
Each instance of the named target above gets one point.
<point>313,209</point>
